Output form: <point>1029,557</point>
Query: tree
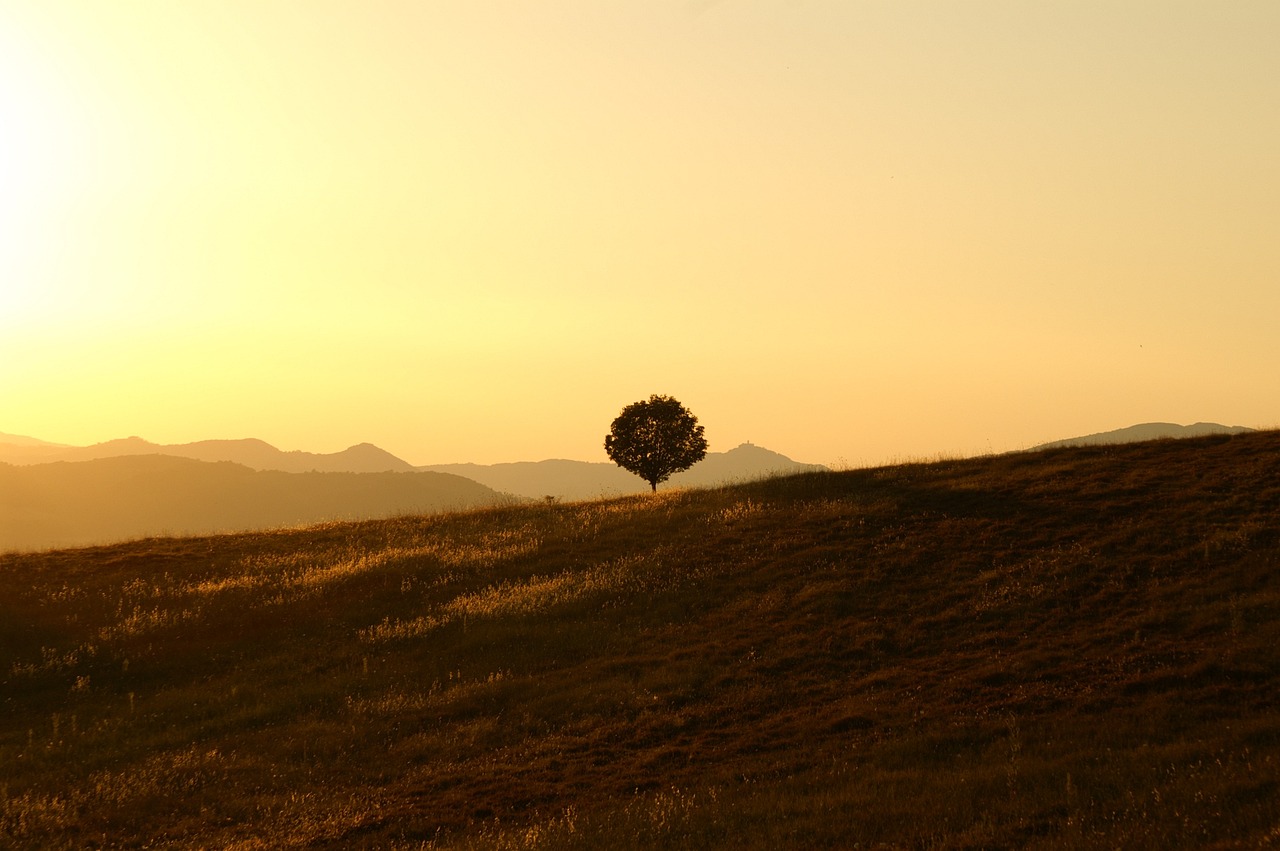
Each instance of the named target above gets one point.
<point>654,439</point>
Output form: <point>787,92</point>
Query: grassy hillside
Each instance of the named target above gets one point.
<point>1077,648</point>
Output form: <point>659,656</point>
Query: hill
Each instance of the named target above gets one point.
<point>250,452</point>
<point>1075,648</point>
<point>111,499</point>
<point>568,480</point>
<point>21,440</point>
<point>1145,431</point>
<point>574,480</point>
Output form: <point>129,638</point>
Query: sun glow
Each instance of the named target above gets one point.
<point>45,143</point>
<point>17,302</point>
<point>41,140</point>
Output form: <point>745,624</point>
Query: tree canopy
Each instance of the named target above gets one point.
<point>655,438</point>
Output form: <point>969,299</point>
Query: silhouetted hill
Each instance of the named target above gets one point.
<point>1145,431</point>
<point>575,480</point>
<point>129,496</point>
<point>250,452</point>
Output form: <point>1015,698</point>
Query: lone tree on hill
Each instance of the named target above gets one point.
<point>654,439</point>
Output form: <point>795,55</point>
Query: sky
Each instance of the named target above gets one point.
<point>853,232</point>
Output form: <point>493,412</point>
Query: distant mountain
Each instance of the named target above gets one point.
<point>1145,431</point>
<point>534,479</point>
<point>57,495</point>
<point>21,440</point>
<point>744,463</point>
<point>251,453</point>
<point>109,499</point>
<point>361,458</point>
<point>576,480</point>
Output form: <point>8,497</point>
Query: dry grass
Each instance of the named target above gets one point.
<point>1068,649</point>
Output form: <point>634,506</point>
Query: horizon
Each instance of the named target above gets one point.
<point>850,233</point>
<point>6,436</point>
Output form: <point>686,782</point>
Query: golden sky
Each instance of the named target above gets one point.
<point>849,231</point>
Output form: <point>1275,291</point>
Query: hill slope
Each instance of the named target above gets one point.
<point>1067,649</point>
<point>112,499</point>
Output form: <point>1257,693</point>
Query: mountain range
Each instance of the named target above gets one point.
<point>252,453</point>
<point>54,495</point>
<point>557,478</point>
<point>1145,431</point>
<point>574,480</point>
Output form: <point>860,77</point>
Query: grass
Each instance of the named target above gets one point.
<point>1074,648</point>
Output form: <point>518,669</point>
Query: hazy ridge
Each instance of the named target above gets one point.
<point>562,479</point>
<point>588,480</point>
<point>66,504</point>
<point>250,452</point>
<point>1145,431</point>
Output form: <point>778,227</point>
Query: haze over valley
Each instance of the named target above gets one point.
<point>111,499</point>
<point>55,495</point>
